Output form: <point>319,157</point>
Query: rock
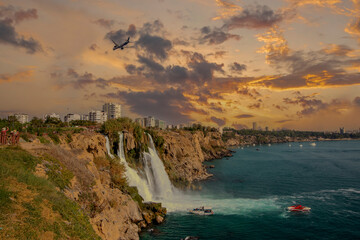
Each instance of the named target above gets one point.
<point>212,166</point>
<point>159,219</point>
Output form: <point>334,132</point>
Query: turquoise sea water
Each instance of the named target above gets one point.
<point>249,193</point>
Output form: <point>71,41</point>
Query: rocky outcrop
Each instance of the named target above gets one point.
<point>111,210</point>
<point>185,151</point>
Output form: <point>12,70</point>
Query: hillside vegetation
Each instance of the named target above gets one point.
<point>31,207</point>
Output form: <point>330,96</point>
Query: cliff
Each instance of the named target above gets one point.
<point>81,170</point>
<point>183,153</point>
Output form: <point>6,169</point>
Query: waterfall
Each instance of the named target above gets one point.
<point>155,185</point>
<point>156,174</point>
<point>132,175</point>
<point>108,147</point>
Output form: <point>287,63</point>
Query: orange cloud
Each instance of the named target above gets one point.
<point>314,80</point>
<point>227,9</point>
<point>17,77</point>
<point>353,28</point>
<point>275,44</point>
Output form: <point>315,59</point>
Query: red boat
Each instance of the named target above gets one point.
<point>298,208</point>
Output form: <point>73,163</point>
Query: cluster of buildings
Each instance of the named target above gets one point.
<point>109,111</point>
<point>150,121</point>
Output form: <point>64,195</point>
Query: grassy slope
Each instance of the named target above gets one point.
<point>31,207</point>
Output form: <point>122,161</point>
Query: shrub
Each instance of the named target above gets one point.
<point>54,137</point>
<point>68,138</point>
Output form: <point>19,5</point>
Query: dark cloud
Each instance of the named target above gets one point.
<point>132,69</point>
<point>218,54</point>
<point>281,108</point>
<point>150,64</point>
<point>284,121</point>
<point>309,104</point>
<point>93,47</point>
<point>131,32</point>
<point>202,70</point>
<point>255,17</point>
<point>121,35</point>
<point>152,27</point>
<point>253,93</point>
<point>105,22</point>
<point>8,35</point>
<point>17,15</point>
<point>78,81</point>
<point>237,68</point>
<point>176,74</point>
<point>220,122</point>
<point>245,116</point>
<point>180,42</point>
<point>357,101</point>
<point>155,45</point>
<point>22,15</point>
<point>215,36</point>
<point>254,106</point>
<point>170,105</point>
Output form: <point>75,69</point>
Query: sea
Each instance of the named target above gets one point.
<point>250,191</point>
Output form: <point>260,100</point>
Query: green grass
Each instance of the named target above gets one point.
<point>57,172</point>
<point>70,221</point>
<point>54,137</point>
<point>43,140</point>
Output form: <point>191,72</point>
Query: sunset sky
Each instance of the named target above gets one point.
<point>281,63</point>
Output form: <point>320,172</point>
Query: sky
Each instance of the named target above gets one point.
<point>291,64</point>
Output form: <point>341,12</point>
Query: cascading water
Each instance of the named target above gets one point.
<point>108,147</point>
<point>132,175</point>
<point>155,172</point>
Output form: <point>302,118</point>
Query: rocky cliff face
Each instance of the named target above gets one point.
<point>112,211</point>
<point>185,151</point>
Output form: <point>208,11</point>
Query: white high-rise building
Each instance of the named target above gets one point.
<point>22,118</point>
<point>149,121</point>
<point>112,110</point>
<point>97,116</point>
<point>52,115</point>
<point>84,117</point>
<point>160,124</point>
<point>71,117</point>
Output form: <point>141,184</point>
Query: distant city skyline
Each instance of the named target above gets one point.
<point>283,64</point>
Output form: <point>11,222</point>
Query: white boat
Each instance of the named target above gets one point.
<point>301,145</point>
<point>202,211</point>
<point>313,144</point>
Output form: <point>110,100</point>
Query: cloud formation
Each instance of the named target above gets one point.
<point>215,36</point>
<point>255,17</point>
<point>9,16</point>
<point>237,68</point>
<point>170,105</point>
<point>245,116</point>
<point>106,23</point>
<point>219,121</point>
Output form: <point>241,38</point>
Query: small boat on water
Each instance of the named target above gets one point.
<point>202,211</point>
<point>313,144</point>
<point>298,208</point>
